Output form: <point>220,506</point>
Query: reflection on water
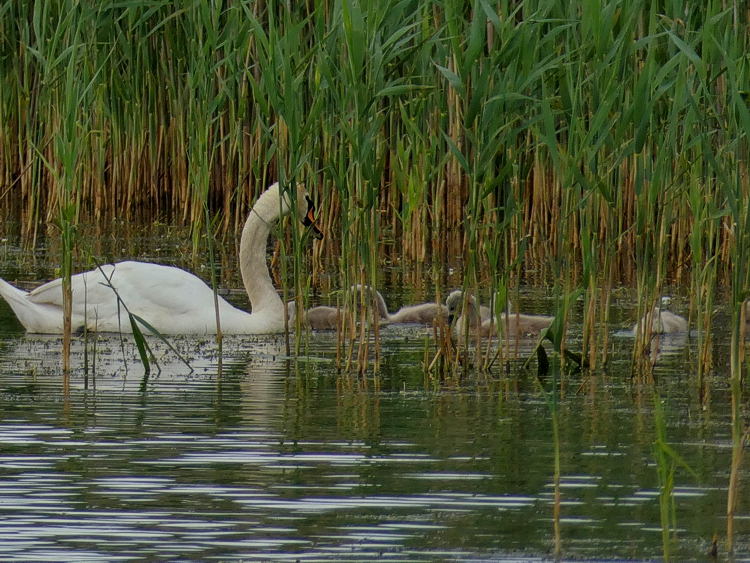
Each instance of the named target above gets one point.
<point>288,460</point>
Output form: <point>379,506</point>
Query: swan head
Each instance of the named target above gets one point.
<point>305,208</point>
<point>455,302</point>
<point>309,220</point>
<point>276,203</point>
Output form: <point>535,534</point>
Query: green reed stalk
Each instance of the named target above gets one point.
<point>68,147</point>
<point>589,228</point>
<point>665,471</point>
<point>704,274</point>
<point>552,398</point>
<point>204,97</point>
<point>590,152</point>
<point>667,460</point>
<point>649,215</point>
<point>64,64</point>
<point>496,249</point>
<point>282,72</point>
<point>740,281</point>
<point>734,192</point>
<point>609,280</point>
<point>368,86</point>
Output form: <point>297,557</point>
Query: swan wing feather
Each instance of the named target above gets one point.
<point>160,294</point>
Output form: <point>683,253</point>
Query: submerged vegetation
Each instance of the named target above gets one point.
<point>581,145</point>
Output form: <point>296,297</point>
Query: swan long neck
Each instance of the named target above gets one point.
<point>370,292</point>
<point>264,214</point>
<point>382,307</point>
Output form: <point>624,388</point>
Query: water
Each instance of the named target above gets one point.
<point>288,460</point>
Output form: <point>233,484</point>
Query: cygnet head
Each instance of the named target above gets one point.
<point>455,302</point>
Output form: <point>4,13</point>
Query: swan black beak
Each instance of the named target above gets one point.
<point>309,220</point>
<point>451,318</point>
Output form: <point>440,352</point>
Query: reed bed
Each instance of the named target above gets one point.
<point>432,117</point>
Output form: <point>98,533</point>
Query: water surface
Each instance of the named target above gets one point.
<point>289,459</point>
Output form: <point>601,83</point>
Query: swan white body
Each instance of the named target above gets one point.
<point>171,300</point>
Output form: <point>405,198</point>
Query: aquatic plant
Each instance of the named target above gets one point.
<point>664,454</point>
<point>667,460</point>
<point>552,396</point>
<point>416,117</point>
<point>202,98</point>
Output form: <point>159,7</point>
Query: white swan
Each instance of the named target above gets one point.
<point>171,300</point>
<point>517,324</point>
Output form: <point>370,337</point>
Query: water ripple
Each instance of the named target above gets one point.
<point>292,461</point>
